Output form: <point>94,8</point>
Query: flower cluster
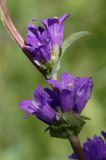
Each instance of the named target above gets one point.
<point>73,93</point>
<point>94,149</point>
<point>69,95</point>
<point>44,43</point>
<point>60,107</point>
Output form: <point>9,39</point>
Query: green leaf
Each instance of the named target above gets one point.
<point>67,43</point>
<point>72,38</point>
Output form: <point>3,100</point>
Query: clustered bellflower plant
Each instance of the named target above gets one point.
<point>61,104</point>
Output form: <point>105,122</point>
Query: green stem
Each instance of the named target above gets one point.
<point>77,148</point>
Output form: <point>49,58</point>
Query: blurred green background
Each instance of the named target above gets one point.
<point>25,138</point>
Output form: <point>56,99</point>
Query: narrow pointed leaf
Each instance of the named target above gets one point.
<point>72,38</point>
<point>66,44</point>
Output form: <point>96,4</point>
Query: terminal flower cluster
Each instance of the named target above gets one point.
<point>44,43</point>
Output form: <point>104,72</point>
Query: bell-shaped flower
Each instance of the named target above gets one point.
<point>40,106</point>
<point>44,43</point>
<point>73,93</point>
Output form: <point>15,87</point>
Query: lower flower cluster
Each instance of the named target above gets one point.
<point>94,149</point>
<point>69,95</point>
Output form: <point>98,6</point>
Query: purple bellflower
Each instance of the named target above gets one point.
<point>73,93</point>
<point>94,149</point>
<point>40,106</point>
<point>44,43</point>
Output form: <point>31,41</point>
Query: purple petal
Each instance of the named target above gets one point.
<point>83,92</point>
<point>66,99</point>
<point>95,149</point>
<point>36,36</point>
<point>63,18</point>
<point>55,27</point>
<point>39,95</point>
<point>28,106</point>
<point>55,84</point>
<point>37,43</point>
<point>32,38</point>
<point>67,81</point>
<point>37,32</point>
<point>46,114</point>
<point>44,96</point>
<point>53,98</point>
<point>31,50</point>
<point>44,54</point>
<point>61,21</point>
<point>50,22</point>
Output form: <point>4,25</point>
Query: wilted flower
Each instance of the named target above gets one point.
<point>43,44</point>
<point>73,93</point>
<point>40,106</point>
<point>94,149</point>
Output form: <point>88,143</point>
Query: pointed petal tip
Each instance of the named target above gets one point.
<point>64,17</point>
<point>31,25</point>
<point>27,106</point>
<point>68,15</point>
<point>37,90</point>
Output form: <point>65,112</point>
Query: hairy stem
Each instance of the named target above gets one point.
<point>77,148</point>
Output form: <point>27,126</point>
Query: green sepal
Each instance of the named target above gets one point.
<point>69,124</point>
